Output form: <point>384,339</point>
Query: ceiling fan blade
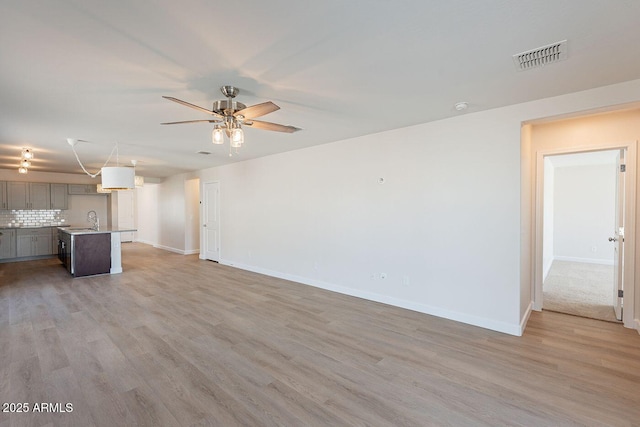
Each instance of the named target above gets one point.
<point>185,103</point>
<point>257,110</point>
<point>191,121</point>
<point>271,126</point>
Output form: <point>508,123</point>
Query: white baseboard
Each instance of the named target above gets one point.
<point>584,260</point>
<point>507,328</point>
<point>170,249</point>
<point>525,318</point>
<point>638,326</point>
<point>146,242</point>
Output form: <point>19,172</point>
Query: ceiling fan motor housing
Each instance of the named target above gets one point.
<point>223,105</point>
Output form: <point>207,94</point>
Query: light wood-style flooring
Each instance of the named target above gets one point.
<point>177,341</point>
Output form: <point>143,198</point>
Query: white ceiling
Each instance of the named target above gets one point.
<point>96,70</point>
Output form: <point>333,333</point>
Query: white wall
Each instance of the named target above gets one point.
<point>444,226</point>
<point>584,212</point>
<point>168,214</point>
<point>79,206</point>
<point>192,216</point>
<point>147,214</point>
<point>171,214</point>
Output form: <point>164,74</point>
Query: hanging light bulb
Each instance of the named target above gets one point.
<point>25,163</point>
<point>22,169</point>
<point>237,137</point>
<point>217,136</point>
<point>27,154</point>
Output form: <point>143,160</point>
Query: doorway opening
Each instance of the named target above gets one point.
<point>581,204</point>
<point>622,235</point>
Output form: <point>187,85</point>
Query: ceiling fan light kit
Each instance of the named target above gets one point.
<point>229,116</point>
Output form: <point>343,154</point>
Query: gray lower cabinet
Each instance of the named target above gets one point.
<point>7,243</point>
<point>34,242</point>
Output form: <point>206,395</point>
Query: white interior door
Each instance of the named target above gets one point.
<point>211,225</point>
<point>618,237</point>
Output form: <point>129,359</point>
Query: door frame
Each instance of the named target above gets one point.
<point>203,232</point>
<point>628,299</point>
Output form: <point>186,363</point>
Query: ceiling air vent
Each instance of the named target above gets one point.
<point>541,56</point>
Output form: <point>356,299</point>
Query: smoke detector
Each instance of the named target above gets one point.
<point>541,56</point>
<point>461,106</point>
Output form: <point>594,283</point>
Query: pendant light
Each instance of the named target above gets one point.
<point>113,177</point>
<point>27,153</point>
<point>118,178</point>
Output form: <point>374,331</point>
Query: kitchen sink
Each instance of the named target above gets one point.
<point>80,229</point>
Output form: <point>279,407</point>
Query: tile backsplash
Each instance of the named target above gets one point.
<point>32,218</point>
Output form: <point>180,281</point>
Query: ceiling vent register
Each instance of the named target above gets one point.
<point>541,56</point>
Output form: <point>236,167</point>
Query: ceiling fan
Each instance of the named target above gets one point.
<point>230,115</point>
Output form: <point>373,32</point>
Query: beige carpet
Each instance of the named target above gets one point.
<point>580,289</point>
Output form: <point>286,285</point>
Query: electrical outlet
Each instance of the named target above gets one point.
<point>594,249</point>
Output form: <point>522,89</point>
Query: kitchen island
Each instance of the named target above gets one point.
<point>87,251</point>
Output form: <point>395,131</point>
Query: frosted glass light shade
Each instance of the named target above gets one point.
<point>217,136</point>
<point>237,138</point>
<point>118,178</point>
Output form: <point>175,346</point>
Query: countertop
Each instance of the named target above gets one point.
<point>30,227</point>
<point>74,231</point>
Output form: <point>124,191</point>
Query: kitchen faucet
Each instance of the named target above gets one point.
<point>92,216</point>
